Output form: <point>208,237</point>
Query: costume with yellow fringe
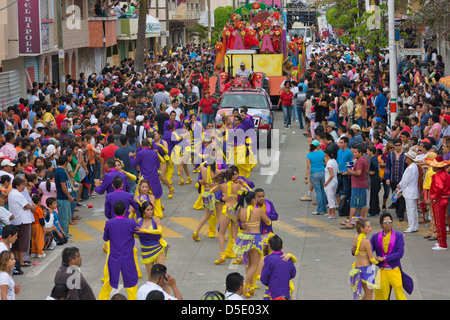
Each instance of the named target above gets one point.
<point>152,242</point>
<point>360,275</point>
<point>247,241</point>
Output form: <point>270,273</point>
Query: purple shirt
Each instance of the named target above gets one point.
<point>276,274</point>
<point>119,195</point>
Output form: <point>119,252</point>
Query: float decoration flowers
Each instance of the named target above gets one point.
<point>256,5</point>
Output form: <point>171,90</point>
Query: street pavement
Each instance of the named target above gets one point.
<point>321,247</point>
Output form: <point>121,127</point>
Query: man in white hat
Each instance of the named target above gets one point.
<point>409,188</point>
<point>7,168</point>
<point>243,71</point>
<point>358,137</point>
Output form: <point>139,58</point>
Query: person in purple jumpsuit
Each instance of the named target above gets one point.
<point>107,183</point>
<point>148,162</point>
<point>120,232</point>
<point>119,195</point>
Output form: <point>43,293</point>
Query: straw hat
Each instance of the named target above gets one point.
<point>438,162</point>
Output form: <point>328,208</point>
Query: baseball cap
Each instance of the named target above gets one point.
<point>331,124</point>
<point>355,127</point>
<point>447,118</point>
<point>35,135</point>
<point>140,118</point>
<point>242,64</point>
<point>7,162</point>
<point>123,115</point>
<point>316,143</point>
<point>76,127</point>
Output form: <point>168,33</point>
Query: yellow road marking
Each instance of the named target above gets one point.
<point>289,228</point>
<point>79,235</point>
<point>190,223</point>
<point>100,226</point>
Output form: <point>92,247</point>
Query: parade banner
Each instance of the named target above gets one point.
<point>29,27</point>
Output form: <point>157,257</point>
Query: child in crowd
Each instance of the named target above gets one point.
<point>58,234</point>
<point>37,229</point>
<point>5,187</point>
<point>47,187</point>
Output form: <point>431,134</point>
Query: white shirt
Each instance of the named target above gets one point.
<point>178,111</point>
<point>16,202</point>
<point>5,215</point>
<point>150,286</point>
<point>233,296</point>
<point>333,165</point>
<point>6,279</point>
<point>244,73</point>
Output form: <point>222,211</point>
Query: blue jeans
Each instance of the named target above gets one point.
<point>64,214</point>
<point>294,114</point>
<point>207,118</point>
<point>318,180</point>
<point>287,114</point>
<point>300,113</point>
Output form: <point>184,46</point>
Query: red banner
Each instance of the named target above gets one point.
<point>29,27</point>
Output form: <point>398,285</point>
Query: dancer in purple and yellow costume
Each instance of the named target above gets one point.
<point>389,245</point>
<point>161,146</point>
<point>182,152</point>
<point>154,248</point>
<point>208,172</point>
<point>148,162</point>
<point>120,260</point>
<point>248,243</point>
<point>167,137</point>
<point>362,274</point>
<point>230,191</point>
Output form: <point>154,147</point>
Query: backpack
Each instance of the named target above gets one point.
<point>344,206</point>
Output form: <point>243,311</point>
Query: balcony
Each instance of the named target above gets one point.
<point>102,32</point>
<point>185,12</point>
<point>127,29</point>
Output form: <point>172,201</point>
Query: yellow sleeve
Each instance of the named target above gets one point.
<point>154,231</point>
<point>292,257</point>
<point>130,176</point>
<point>163,148</point>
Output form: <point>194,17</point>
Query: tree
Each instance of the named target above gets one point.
<point>199,31</point>
<point>434,14</point>
<point>140,41</point>
<point>221,16</point>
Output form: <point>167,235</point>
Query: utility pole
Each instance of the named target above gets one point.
<point>392,61</point>
<point>168,42</point>
<point>62,76</point>
<point>209,22</point>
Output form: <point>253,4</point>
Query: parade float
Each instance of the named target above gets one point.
<point>256,35</point>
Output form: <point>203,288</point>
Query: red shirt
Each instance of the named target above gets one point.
<point>108,152</point>
<point>286,98</point>
<point>205,105</point>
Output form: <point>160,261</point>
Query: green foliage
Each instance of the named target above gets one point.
<point>345,15</point>
<point>221,16</point>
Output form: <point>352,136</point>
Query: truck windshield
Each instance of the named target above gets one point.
<point>299,32</point>
<point>249,100</point>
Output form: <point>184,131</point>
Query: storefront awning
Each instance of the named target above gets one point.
<point>152,27</point>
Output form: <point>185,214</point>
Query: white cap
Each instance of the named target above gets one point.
<point>7,162</point>
<point>140,118</point>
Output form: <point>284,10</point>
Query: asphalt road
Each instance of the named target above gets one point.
<point>321,247</point>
